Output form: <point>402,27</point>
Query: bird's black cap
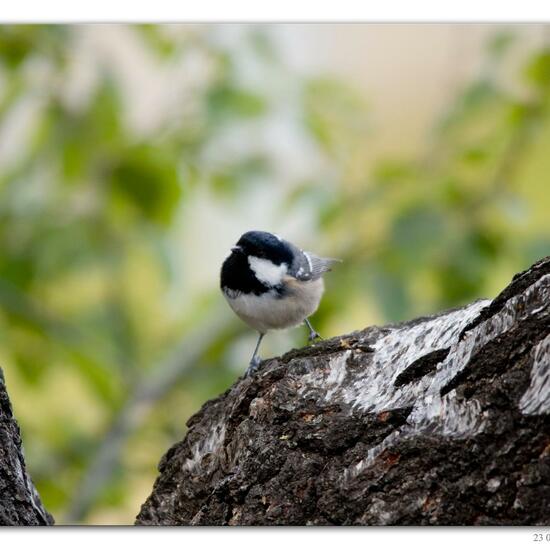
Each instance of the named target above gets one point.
<point>266,245</point>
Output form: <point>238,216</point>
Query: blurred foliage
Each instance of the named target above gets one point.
<point>455,224</point>
<point>103,364</point>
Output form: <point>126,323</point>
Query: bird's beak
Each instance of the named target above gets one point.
<point>236,249</point>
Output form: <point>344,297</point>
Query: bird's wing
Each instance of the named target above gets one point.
<point>308,267</point>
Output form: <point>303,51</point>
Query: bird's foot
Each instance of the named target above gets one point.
<point>253,366</point>
<point>313,335</point>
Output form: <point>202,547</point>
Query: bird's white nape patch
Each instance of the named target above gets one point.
<point>266,271</point>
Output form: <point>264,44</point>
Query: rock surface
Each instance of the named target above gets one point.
<point>19,500</point>
<point>443,420</point>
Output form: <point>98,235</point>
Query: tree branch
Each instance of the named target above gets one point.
<point>19,500</point>
<point>442,420</point>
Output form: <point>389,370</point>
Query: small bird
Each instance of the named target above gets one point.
<point>272,284</point>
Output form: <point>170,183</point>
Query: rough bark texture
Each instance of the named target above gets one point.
<point>443,420</point>
<point>19,500</point>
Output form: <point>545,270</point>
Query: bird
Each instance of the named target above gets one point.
<point>272,284</point>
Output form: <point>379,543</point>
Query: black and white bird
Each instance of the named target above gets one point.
<point>272,284</point>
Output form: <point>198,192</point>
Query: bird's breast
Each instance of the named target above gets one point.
<point>273,310</point>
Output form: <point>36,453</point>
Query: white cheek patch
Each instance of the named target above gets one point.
<point>267,272</point>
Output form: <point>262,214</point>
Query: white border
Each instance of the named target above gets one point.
<point>66,11</point>
<point>423,538</point>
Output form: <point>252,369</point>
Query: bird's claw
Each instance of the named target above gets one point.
<point>253,366</point>
<point>313,336</point>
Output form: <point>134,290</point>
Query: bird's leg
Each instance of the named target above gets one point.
<point>255,361</point>
<point>313,334</point>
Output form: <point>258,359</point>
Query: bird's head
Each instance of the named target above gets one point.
<point>264,246</point>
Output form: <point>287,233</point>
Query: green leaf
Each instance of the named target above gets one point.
<point>19,42</point>
<point>155,38</point>
<point>537,70</point>
<point>227,101</point>
<point>474,156</point>
<point>147,178</point>
<point>416,233</point>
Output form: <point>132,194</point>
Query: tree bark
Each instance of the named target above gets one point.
<point>19,500</point>
<point>442,420</point>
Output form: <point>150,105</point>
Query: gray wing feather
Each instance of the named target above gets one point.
<point>308,267</point>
